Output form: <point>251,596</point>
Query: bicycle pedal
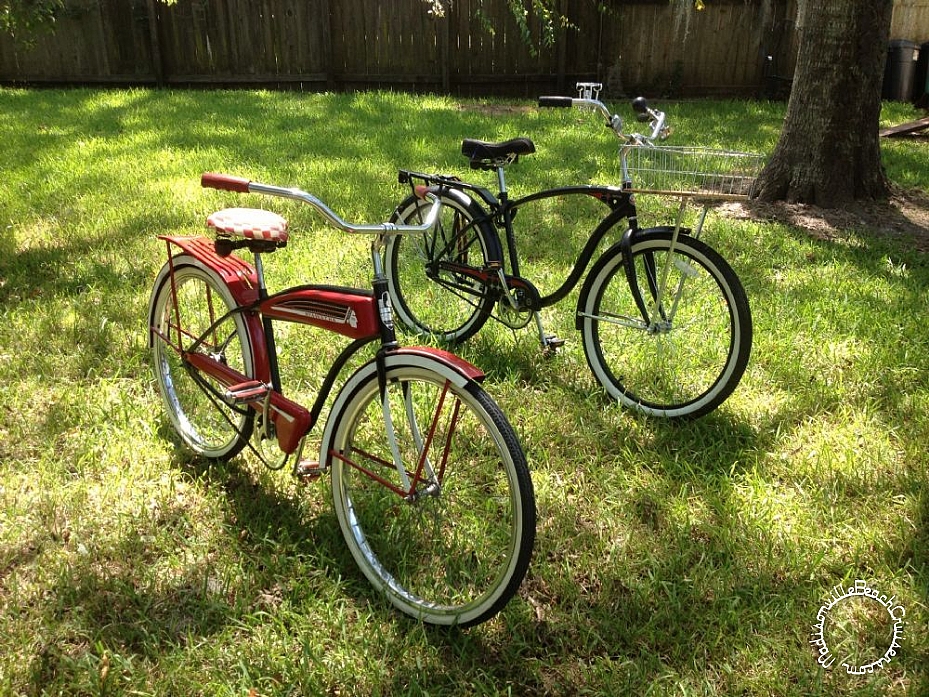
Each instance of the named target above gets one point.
<point>245,392</point>
<point>552,343</point>
<point>308,470</point>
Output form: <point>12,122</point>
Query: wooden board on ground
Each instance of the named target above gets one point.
<point>905,128</point>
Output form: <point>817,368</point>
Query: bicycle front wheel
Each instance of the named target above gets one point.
<point>689,354</point>
<point>432,493</point>
<point>438,280</point>
<point>205,423</point>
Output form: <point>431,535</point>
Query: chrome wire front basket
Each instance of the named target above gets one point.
<point>687,171</point>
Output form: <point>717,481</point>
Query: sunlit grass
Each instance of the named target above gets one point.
<point>671,558</point>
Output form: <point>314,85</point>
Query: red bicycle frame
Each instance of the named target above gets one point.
<point>350,312</point>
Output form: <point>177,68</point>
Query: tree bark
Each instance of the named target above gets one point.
<point>829,153</point>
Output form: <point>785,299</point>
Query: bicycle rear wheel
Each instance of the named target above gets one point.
<point>438,280</point>
<point>692,353</point>
<point>455,549</point>
<point>205,423</point>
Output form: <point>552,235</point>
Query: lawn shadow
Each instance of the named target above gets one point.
<point>265,518</point>
<point>105,602</point>
<point>720,442</point>
<point>614,634</point>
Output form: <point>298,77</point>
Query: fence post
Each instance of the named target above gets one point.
<point>444,32</point>
<point>155,43</point>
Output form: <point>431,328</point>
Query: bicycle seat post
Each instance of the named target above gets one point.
<point>506,216</point>
<point>260,273</point>
<point>501,183</point>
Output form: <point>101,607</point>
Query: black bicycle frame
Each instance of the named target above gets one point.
<point>622,205</point>
<point>500,213</point>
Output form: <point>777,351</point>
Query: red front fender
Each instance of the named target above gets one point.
<point>446,358</point>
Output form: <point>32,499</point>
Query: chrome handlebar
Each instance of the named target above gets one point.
<point>227,182</point>
<point>656,119</point>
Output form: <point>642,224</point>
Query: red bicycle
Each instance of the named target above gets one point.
<point>429,482</point>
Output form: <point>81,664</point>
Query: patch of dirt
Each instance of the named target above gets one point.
<point>905,215</point>
<point>496,109</point>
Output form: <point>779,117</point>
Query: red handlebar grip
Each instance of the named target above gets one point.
<point>226,182</point>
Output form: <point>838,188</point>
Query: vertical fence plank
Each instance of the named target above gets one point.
<point>155,42</point>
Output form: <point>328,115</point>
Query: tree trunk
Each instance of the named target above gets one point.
<point>829,151</point>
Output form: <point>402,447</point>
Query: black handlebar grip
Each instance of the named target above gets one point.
<point>225,182</point>
<point>555,101</point>
<point>640,107</point>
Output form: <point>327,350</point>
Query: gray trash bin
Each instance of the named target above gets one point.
<point>900,70</point>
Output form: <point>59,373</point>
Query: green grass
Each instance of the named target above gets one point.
<point>677,559</point>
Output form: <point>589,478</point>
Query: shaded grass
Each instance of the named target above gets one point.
<point>671,558</point>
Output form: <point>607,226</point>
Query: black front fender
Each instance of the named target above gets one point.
<point>622,248</point>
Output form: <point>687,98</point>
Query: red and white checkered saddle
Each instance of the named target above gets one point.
<point>252,223</point>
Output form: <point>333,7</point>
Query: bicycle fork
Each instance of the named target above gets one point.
<point>425,471</point>
<point>656,314</point>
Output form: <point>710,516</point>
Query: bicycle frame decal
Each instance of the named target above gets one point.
<point>341,310</point>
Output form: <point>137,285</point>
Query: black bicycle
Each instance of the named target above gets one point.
<point>664,320</point>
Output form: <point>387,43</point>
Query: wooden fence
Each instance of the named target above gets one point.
<point>732,47</point>
<point>910,21</point>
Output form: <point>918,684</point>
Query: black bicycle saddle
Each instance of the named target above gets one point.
<point>484,155</point>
